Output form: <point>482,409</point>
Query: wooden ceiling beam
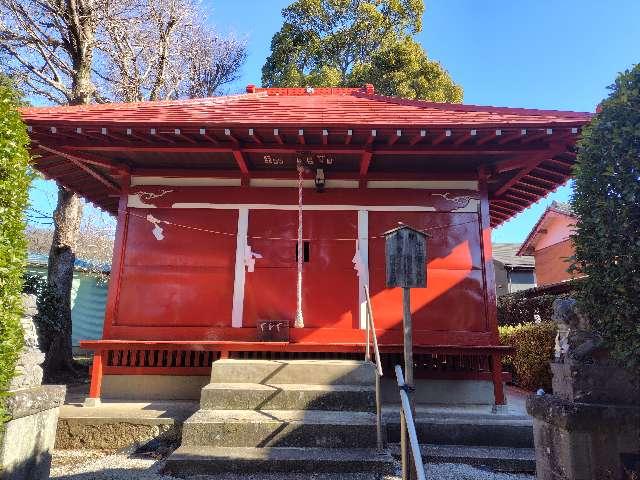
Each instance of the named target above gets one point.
<point>206,136</point>
<point>179,134</point>
<point>372,137</point>
<point>441,138</point>
<point>255,138</point>
<point>130,132</point>
<point>394,137</point>
<point>78,161</point>
<point>154,133</point>
<point>513,204</point>
<point>548,171</point>
<point>490,136</point>
<point>547,133</point>
<point>276,135</point>
<point>513,136</point>
<point>530,176</point>
<point>418,137</point>
<point>466,137</point>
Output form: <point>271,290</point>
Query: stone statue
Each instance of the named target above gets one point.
<point>574,340</point>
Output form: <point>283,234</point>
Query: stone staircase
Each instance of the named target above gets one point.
<point>283,416</point>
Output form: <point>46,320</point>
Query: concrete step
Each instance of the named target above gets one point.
<point>256,396</point>
<point>503,459</point>
<point>211,460</point>
<point>280,428</point>
<point>466,430</point>
<point>318,372</point>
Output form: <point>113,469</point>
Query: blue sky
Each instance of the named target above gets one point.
<point>546,54</point>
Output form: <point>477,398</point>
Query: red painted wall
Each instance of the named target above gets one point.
<point>551,263</point>
<point>181,287</point>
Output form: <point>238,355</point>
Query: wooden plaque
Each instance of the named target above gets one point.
<point>406,257</point>
<point>273,330</point>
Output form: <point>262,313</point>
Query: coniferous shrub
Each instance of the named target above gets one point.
<point>14,184</point>
<point>607,203</point>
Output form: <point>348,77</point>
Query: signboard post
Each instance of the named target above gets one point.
<point>406,267</point>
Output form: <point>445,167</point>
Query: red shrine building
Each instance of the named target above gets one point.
<point>206,196</point>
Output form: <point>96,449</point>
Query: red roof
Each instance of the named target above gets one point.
<point>292,106</point>
<point>528,153</point>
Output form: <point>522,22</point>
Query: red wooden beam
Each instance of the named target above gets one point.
<point>418,137</point>
<point>440,138</point>
<point>154,133</point>
<point>513,136</point>
<point>365,162</point>
<point>179,134</point>
<point>371,138</point>
<point>531,176</point>
<point>465,137</point>
<point>521,191</point>
<point>487,138</point>
<point>96,375</point>
<point>240,160</point>
<point>335,149</point>
<point>301,136</point>
<point>516,197</point>
<point>532,138</point>
<point>348,137</point>
<point>325,137</point>
<point>556,173</point>
<point>531,164</point>
<point>518,206</point>
<point>276,135</point>
<point>256,139</point>
<point>560,163</point>
<point>230,137</point>
<point>523,181</point>
<point>130,132</point>
<point>394,138</point>
<point>78,161</point>
<point>80,132</point>
<point>206,136</point>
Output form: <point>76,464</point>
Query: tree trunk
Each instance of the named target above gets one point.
<point>66,218</point>
<point>82,22</point>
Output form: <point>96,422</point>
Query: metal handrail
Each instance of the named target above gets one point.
<point>371,333</point>
<point>408,426</point>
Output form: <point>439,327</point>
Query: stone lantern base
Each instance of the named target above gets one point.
<point>584,441</point>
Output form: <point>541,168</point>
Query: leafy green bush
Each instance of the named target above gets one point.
<point>534,347</point>
<point>607,203</point>
<point>14,184</point>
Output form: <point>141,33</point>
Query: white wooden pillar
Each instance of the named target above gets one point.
<point>238,282</point>
<point>363,278</point>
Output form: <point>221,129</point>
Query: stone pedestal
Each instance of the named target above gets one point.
<point>29,437</point>
<point>582,441</point>
<point>594,383</point>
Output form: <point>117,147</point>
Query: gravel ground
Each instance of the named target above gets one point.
<point>100,465</point>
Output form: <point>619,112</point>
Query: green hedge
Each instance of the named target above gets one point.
<point>520,307</point>
<point>14,185</point>
<point>606,200</point>
<point>534,347</point>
